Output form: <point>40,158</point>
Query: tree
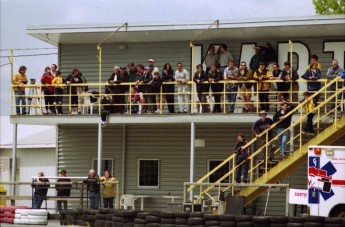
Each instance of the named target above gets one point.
<point>329,7</point>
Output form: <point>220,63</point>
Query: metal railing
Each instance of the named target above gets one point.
<point>21,193</point>
<point>35,98</point>
<point>260,164</point>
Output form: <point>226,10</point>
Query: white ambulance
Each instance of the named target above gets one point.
<point>326,181</point>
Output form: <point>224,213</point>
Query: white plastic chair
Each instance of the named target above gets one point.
<point>211,203</point>
<point>128,200</point>
<point>87,102</point>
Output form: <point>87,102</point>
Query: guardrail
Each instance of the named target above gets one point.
<point>37,102</point>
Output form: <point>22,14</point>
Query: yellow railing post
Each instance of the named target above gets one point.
<point>224,97</point>
<point>291,67</point>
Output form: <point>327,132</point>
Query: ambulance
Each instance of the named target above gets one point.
<point>326,181</point>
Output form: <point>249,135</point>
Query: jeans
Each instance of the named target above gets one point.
<point>309,125</point>
<point>20,97</point>
<point>58,99</point>
<point>59,205</point>
<point>37,201</point>
<point>108,202</point>
<point>231,97</point>
<point>48,101</point>
<point>282,139</point>
<point>264,101</point>
<point>94,200</point>
<point>245,168</point>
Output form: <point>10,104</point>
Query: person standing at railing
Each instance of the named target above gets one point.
<point>156,90</point>
<point>182,76</point>
<point>48,90</point>
<point>211,58</point>
<point>145,81</point>
<point>19,79</point>
<point>169,89</point>
<point>93,188</point>
<point>40,186</point>
<point>261,75</point>
<point>125,88</point>
<point>59,84</point>
<point>246,88</point>
<point>214,76</point>
<point>116,90</point>
<point>108,191</point>
<point>259,127</point>
<point>63,190</point>
<point>255,63</point>
<point>231,74</point>
<point>312,75</point>
<point>54,69</point>
<point>290,80</point>
<point>314,60</point>
<point>242,155</point>
<point>308,107</point>
<point>275,75</point>
<point>73,78</point>
<point>199,78</point>
<point>284,123</point>
<point>333,73</point>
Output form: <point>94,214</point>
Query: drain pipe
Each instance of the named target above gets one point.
<point>123,175</point>
<point>14,157</point>
<point>192,157</point>
<point>99,156</point>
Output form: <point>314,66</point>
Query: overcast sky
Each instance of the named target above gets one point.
<point>16,15</point>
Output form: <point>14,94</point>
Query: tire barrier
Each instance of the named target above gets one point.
<point>128,218</point>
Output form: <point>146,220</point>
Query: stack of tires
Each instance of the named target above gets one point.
<point>8,214</point>
<point>227,220</point>
<point>196,219</point>
<point>31,217</point>
<point>181,219</point>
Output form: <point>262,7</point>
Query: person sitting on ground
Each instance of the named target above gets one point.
<point>59,84</point>
<point>40,186</point>
<point>284,123</point>
<point>309,106</point>
<point>242,155</point>
<point>108,191</point>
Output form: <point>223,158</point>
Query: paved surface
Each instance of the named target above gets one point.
<point>51,223</point>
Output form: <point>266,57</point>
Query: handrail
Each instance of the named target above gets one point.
<point>266,133</point>
<point>40,96</point>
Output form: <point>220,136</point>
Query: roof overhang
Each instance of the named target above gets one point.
<point>254,29</point>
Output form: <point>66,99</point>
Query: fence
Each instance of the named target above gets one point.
<point>247,99</point>
<point>21,193</point>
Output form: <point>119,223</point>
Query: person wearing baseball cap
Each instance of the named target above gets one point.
<point>153,68</point>
<point>259,127</point>
<point>40,190</point>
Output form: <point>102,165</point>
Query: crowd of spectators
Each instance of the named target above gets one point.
<point>153,89</point>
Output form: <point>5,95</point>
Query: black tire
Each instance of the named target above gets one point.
<point>182,215</point>
<point>296,219</point>
<point>82,223</point>
<point>108,224</point>
<point>101,217</point>
<point>99,223</point>
<point>168,221</point>
<point>139,221</point>
<point>167,214</point>
<point>196,215</point>
<point>182,225</point>
<point>211,217</point>
<point>245,224</point>
<point>153,225</point>
<point>333,225</point>
<point>153,219</point>
<point>227,217</point>
<point>142,215</point>
<point>117,213</point>
<point>262,220</point>
<point>117,224</point>
<point>279,219</point>
<point>196,221</point>
<point>128,225</point>
<point>295,224</point>
<point>167,225</point>
<point>212,223</point>
<point>333,220</point>
<point>102,210</point>
<point>79,211</point>
<point>109,217</point>
<point>313,224</point>
<point>129,213</point>
<point>64,222</point>
<point>338,211</point>
<point>278,225</point>
<point>315,219</point>
<point>91,218</point>
<point>117,219</point>
<point>139,225</point>
<point>155,213</point>
<point>243,218</point>
<point>228,224</point>
<point>181,221</point>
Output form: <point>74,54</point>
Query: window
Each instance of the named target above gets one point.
<point>107,164</point>
<point>219,173</point>
<point>148,173</point>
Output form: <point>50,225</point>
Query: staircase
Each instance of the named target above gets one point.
<point>260,172</point>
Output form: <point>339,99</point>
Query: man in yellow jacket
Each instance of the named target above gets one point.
<point>108,191</point>
<point>19,79</point>
<point>261,75</point>
<point>309,106</point>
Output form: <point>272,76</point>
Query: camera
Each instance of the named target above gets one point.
<point>32,81</point>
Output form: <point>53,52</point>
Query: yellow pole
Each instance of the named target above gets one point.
<point>191,76</point>
<point>290,44</point>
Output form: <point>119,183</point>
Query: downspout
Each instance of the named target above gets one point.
<point>123,174</point>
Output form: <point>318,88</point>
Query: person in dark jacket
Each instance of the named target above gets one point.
<point>63,190</point>
<point>74,78</point>
<point>242,155</point>
<point>117,90</point>
<point>156,90</point>
<point>145,81</point>
<point>284,123</point>
<point>214,76</point>
<point>199,78</point>
<point>290,82</point>
<point>93,188</point>
<point>313,74</point>
<point>169,89</point>
<point>40,186</point>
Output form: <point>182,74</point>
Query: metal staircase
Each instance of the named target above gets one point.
<point>329,124</point>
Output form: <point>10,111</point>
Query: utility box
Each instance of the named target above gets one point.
<point>192,207</point>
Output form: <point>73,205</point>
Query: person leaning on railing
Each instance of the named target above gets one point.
<point>156,84</point>
<point>146,80</point>
<point>290,80</point>
<point>334,72</point>
<point>214,76</point>
<point>199,78</point>
<point>182,76</point>
<point>19,79</point>
<point>63,190</point>
<point>40,190</point>
<point>246,88</point>
<point>312,75</point>
<point>169,89</point>
<point>108,191</point>
<point>117,91</point>
<point>261,75</point>
<point>242,155</point>
<point>74,78</point>
<point>93,188</point>
<point>59,84</point>
<point>48,90</point>
<point>231,74</point>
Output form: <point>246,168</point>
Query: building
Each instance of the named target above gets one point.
<point>154,154</point>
